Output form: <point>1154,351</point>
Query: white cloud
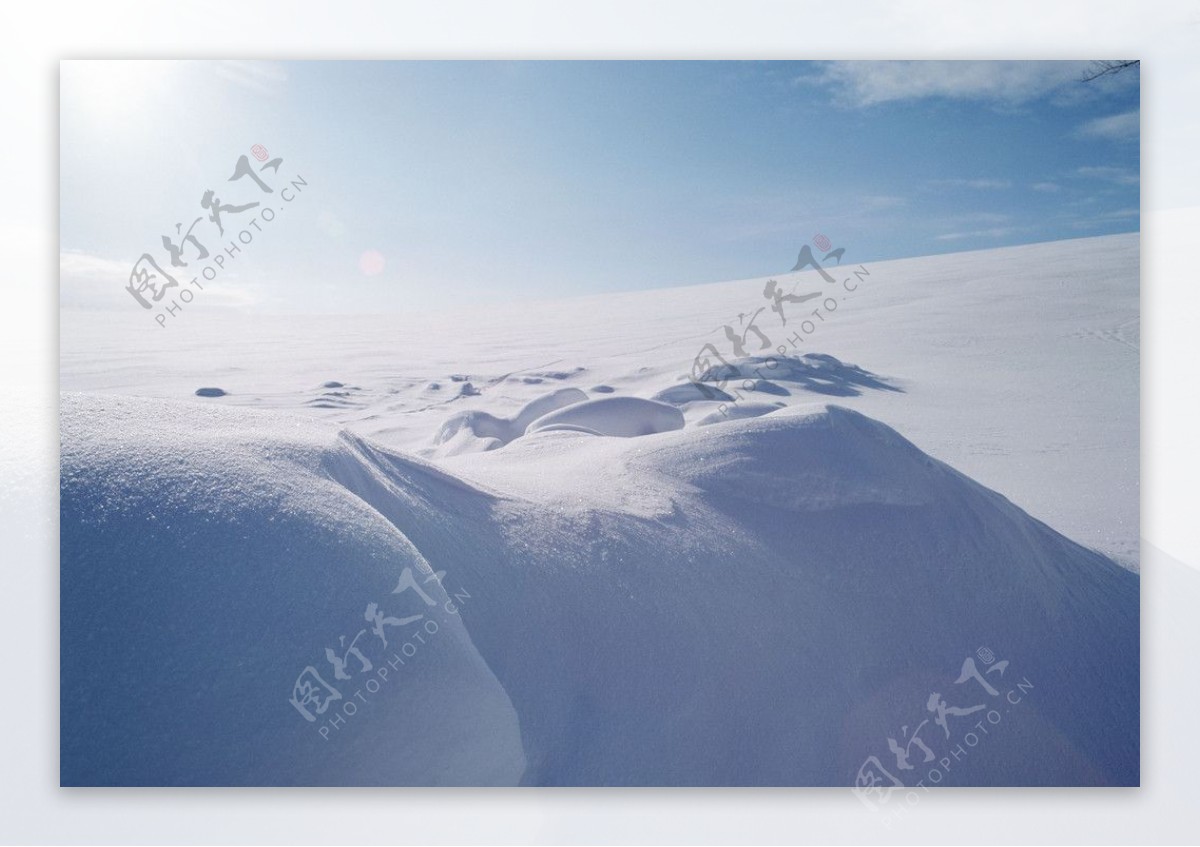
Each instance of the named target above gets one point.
<point>89,281</point>
<point>979,184</point>
<point>992,232</point>
<point>82,267</point>
<point>1122,127</point>
<point>1093,218</point>
<point>259,76</point>
<point>1104,220</point>
<point>1121,176</point>
<point>984,217</point>
<point>1046,186</point>
<point>1011,83</point>
<point>883,201</point>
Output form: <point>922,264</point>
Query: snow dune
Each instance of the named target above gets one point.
<point>565,409</point>
<point>624,417</point>
<point>1018,366</point>
<point>760,602</point>
<point>478,430</point>
<point>207,560</point>
<point>816,372</point>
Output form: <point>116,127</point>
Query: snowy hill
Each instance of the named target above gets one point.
<point>591,542</point>
<point>760,602</point>
<point>206,562</point>
<point>1019,366</point>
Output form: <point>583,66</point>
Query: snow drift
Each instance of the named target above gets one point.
<point>477,430</point>
<point>760,602</point>
<point>208,558</point>
<point>624,417</point>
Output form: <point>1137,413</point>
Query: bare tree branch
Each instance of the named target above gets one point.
<point>1106,67</point>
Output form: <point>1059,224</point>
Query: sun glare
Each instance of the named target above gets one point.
<point>115,93</point>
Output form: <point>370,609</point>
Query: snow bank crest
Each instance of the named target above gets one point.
<point>803,462</point>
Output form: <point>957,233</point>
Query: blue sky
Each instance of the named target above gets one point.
<point>429,182</point>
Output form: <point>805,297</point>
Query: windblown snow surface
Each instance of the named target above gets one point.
<point>592,571</point>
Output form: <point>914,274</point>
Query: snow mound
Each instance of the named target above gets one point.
<point>834,458</point>
<point>626,417</point>
<point>207,561</point>
<point>816,372</point>
<point>691,392</point>
<point>801,586</point>
<point>738,411</point>
<point>478,430</point>
<point>766,602</point>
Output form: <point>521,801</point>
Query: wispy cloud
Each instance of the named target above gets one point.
<point>978,184</point>
<point>758,215</point>
<point>78,266</point>
<point>1104,219</point>
<point>983,217</point>
<point>86,281</point>
<point>90,281</point>
<point>1009,83</point>
<point>883,201</point>
<point>258,76</point>
<point>1120,176</point>
<point>991,232</point>
<point>1122,127</point>
<point>1048,187</point>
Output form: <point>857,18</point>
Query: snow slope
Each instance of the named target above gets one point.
<point>631,578</point>
<point>1019,365</point>
<point>756,603</point>
<point>209,557</point>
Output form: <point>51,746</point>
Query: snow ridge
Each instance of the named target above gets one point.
<point>756,603</point>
